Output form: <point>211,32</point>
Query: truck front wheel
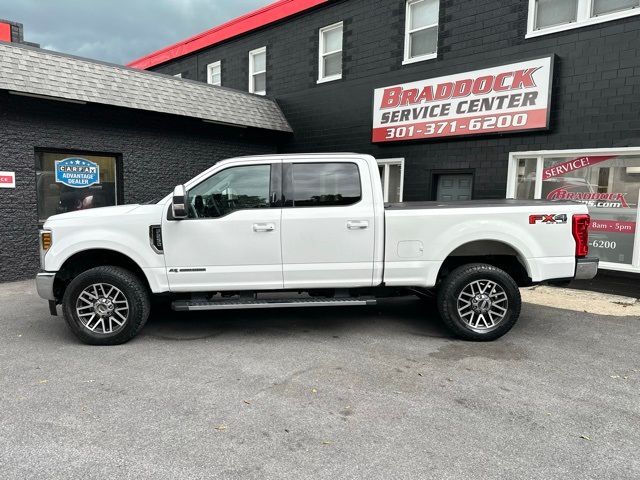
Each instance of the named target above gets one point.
<point>106,306</point>
<point>479,302</point>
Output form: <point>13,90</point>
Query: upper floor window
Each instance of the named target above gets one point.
<point>214,73</point>
<point>548,16</point>
<point>330,55</point>
<point>258,71</point>
<point>421,30</point>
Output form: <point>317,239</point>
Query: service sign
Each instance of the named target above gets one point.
<point>508,98</point>
<point>77,172</point>
<point>7,180</point>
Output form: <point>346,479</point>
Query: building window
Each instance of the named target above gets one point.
<point>549,16</point>
<point>392,178</point>
<point>214,73</point>
<point>66,182</point>
<point>421,30</point>
<point>607,181</point>
<point>258,71</point>
<point>330,54</point>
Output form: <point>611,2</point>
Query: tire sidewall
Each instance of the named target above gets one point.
<point>131,288</point>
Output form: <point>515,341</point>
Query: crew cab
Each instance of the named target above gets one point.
<point>304,230</point>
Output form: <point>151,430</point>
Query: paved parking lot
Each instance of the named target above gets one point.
<point>379,392</point>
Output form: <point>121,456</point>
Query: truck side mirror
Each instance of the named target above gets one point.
<point>179,203</point>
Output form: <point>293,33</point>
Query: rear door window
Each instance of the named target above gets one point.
<point>322,184</point>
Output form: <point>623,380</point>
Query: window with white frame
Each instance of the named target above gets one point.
<point>421,30</point>
<point>330,54</point>
<point>548,16</point>
<point>258,71</point>
<point>392,177</point>
<point>607,181</point>
<point>214,73</point>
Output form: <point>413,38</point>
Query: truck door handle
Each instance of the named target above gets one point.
<point>263,227</point>
<point>357,224</point>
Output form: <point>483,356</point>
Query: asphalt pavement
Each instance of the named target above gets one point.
<point>363,392</point>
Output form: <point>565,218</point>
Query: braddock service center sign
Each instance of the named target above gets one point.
<point>508,98</point>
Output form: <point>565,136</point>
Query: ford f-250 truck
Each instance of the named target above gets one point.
<point>314,228</point>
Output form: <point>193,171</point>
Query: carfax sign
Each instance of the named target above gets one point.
<point>508,98</point>
<point>77,172</point>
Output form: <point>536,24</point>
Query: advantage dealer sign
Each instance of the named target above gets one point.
<point>508,98</point>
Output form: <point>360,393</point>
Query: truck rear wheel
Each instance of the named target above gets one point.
<point>479,302</point>
<point>106,306</point>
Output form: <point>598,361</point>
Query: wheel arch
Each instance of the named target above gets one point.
<point>498,253</point>
<point>84,260</point>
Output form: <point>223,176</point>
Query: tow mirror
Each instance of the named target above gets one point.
<point>179,203</point>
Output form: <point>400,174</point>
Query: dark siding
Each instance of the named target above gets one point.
<point>157,152</point>
<point>596,96</point>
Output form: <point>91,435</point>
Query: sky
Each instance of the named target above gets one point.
<point>118,31</point>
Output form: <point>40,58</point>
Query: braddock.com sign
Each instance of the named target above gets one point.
<point>508,98</point>
<point>77,172</point>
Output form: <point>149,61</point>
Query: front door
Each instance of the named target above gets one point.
<point>231,238</point>
<point>454,187</point>
<point>328,225</point>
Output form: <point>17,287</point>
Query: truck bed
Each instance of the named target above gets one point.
<point>472,204</point>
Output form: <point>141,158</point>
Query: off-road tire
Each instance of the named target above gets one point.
<point>451,288</point>
<point>137,296</point>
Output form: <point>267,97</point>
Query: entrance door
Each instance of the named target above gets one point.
<point>328,225</point>
<point>453,187</point>
<point>231,238</point>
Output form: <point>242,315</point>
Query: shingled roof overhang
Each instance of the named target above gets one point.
<point>38,72</point>
<point>262,17</point>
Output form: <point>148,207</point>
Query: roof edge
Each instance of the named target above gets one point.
<point>254,20</point>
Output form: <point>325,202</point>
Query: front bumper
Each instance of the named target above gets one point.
<point>586,268</point>
<point>44,285</point>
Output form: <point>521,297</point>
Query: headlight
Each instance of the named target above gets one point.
<point>46,240</point>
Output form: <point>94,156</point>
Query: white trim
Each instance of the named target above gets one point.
<point>321,53</point>
<point>210,68</point>
<point>253,73</point>
<point>386,162</point>
<point>407,35</point>
<point>584,18</point>
<point>514,157</point>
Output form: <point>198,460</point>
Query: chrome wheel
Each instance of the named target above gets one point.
<point>102,308</point>
<point>482,304</point>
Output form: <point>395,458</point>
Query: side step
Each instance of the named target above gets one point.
<point>200,305</point>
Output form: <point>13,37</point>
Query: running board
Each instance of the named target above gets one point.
<point>199,305</point>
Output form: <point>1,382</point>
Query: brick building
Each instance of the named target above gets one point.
<point>325,61</point>
<point>138,134</point>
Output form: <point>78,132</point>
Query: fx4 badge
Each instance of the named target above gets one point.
<point>548,219</point>
<point>186,270</point>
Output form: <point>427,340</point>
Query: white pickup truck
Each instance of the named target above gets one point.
<point>313,228</point>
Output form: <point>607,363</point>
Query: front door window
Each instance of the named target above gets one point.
<point>236,188</point>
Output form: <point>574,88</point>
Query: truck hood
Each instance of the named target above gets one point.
<point>94,213</point>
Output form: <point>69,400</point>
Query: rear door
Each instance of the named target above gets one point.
<point>328,230</point>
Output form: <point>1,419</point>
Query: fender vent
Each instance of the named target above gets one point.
<point>155,237</point>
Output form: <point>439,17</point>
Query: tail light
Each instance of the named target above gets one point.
<point>580,230</point>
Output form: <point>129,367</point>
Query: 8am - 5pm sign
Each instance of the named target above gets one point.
<point>508,98</point>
